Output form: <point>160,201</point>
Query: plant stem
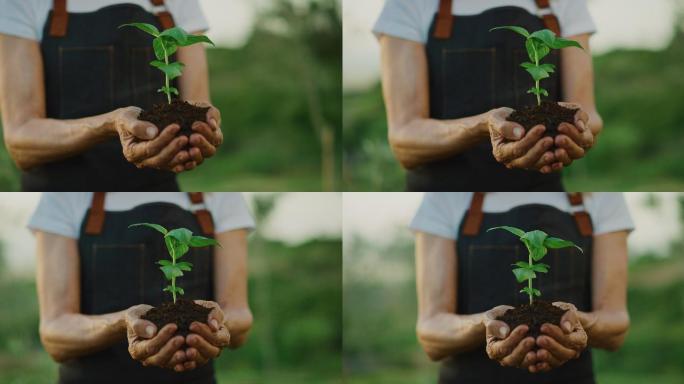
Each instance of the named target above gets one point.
<point>173,279</point>
<point>168,97</point>
<point>536,86</point>
<point>529,281</point>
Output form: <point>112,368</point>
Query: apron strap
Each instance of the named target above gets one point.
<point>165,18</point>
<point>445,20</point>
<point>202,214</point>
<point>60,19</point>
<point>473,219</point>
<point>582,217</point>
<point>96,215</point>
<point>546,14</point>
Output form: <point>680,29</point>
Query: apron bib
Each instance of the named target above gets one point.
<point>92,67</point>
<point>472,71</point>
<point>118,270</point>
<point>485,281</point>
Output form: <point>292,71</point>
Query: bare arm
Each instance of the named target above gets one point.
<point>607,324</point>
<point>64,331</point>
<point>440,330</point>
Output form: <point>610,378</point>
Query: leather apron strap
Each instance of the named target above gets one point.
<point>473,219</point>
<point>96,215</point>
<point>60,17</point>
<point>445,18</point>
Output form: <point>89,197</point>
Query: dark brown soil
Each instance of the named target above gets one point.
<point>178,112</point>
<point>533,316</point>
<point>548,114</point>
<point>182,313</point>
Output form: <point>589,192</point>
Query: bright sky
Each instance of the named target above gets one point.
<point>621,24</point>
<point>297,217</point>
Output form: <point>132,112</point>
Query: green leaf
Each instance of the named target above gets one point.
<point>527,64</point>
<point>516,231</point>
<point>541,267</point>
<point>519,30</point>
<point>177,34</point>
<point>201,241</point>
<point>550,68</point>
<point>565,43</point>
<point>556,243</point>
<point>184,266</point>
<point>148,28</point>
<point>194,39</point>
<point>164,262</point>
<point>533,46</point>
<point>537,73</point>
<point>182,235</point>
<point>531,292</point>
<point>164,46</point>
<point>181,250</point>
<point>171,271</point>
<point>540,91</point>
<point>534,240</point>
<point>164,89</point>
<point>171,289</point>
<point>156,227</point>
<point>545,37</point>
<point>182,292</point>
<point>171,70</point>
<point>523,274</point>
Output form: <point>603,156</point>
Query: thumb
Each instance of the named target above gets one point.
<point>144,130</point>
<point>144,329</point>
<point>512,131</point>
<point>498,329</point>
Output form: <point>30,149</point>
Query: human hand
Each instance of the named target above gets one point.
<point>557,345</point>
<point>144,146</point>
<point>514,147</point>
<point>510,350</point>
<point>206,137</point>
<point>206,340</point>
<point>161,349</point>
<point>573,140</point>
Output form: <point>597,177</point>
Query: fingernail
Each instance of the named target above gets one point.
<point>149,330</point>
<point>503,331</point>
<point>151,132</point>
<point>214,323</point>
<point>214,123</point>
<point>517,132</point>
<point>568,326</point>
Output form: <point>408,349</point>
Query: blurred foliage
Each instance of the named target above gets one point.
<point>300,344</point>
<point>380,310</point>
<point>639,95</point>
<point>271,143</point>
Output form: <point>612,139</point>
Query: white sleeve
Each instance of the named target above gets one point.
<point>403,19</point>
<point>229,211</point>
<point>20,18</point>
<point>610,213</point>
<point>441,213</point>
<point>56,214</point>
<point>574,17</point>
<point>188,15</point>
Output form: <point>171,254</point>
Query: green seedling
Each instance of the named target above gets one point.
<point>165,44</point>
<point>538,244</point>
<point>539,44</point>
<point>178,242</point>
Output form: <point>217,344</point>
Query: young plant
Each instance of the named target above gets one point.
<point>537,243</point>
<point>538,45</point>
<point>178,242</point>
<point>166,44</point>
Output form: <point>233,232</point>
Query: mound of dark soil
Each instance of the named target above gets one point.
<point>533,316</point>
<point>178,112</point>
<point>182,313</point>
<point>548,114</point>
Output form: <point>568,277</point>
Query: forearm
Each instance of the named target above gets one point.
<point>239,323</point>
<point>41,140</point>
<point>422,140</point>
<point>605,329</point>
<point>72,335</point>
<point>445,334</point>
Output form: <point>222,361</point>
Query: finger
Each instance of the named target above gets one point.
<point>533,156</point>
<point>562,158</point>
<point>219,338</point>
<point>178,358</point>
<point>190,365</point>
<point>555,348</point>
<point>143,349</point>
<point>498,349</point>
<point>214,137</point>
<point>512,131</point>
<point>568,321</point>
<point>529,361</point>
<point>215,319</point>
<point>205,348</point>
<point>497,329</point>
<point>573,150</point>
<point>214,118</point>
<point>163,159</point>
<point>167,351</point>
<point>545,161</point>
<point>515,358</point>
<point>143,130</point>
<point>179,367</point>
<point>510,151</point>
<point>144,329</point>
<point>181,158</point>
<point>583,138</point>
<point>543,367</point>
<point>189,166</point>
<point>195,357</point>
<point>545,357</point>
<point>201,143</point>
<point>139,151</point>
<point>196,155</point>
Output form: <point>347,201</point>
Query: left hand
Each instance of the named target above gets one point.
<point>573,140</point>
<point>206,340</point>
<point>206,137</point>
<point>557,345</point>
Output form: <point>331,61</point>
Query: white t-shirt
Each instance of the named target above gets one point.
<point>441,213</point>
<point>62,213</point>
<point>26,18</point>
<point>411,19</point>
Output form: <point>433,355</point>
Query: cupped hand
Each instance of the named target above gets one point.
<point>206,138</point>
<point>557,345</point>
<point>161,349</point>
<point>146,147</point>
<point>573,140</point>
<point>206,340</point>
<point>510,349</point>
<point>514,147</point>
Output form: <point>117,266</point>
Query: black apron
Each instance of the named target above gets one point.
<point>485,281</point>
<point>118,270</point>
<point>472,72</point>
<point>96,68</point>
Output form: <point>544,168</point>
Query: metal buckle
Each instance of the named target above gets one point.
<point>541,12</point>
<point>156,9</point>
<point>197,207</point>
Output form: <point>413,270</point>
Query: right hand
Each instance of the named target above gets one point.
<point>514,147</point>
<point>510,349</point>
<point>161,349</point>
<point>145,147</point>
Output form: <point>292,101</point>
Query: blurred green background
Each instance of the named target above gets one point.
<point>639,95</point>
<point>380,344</point>
<point>280,97</point>
<point>295,296</point>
